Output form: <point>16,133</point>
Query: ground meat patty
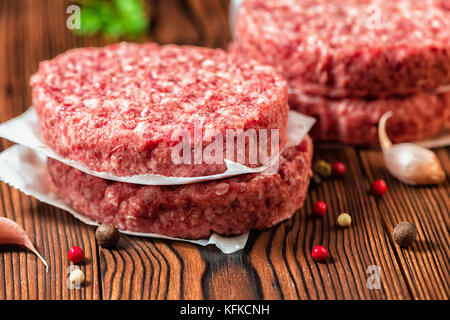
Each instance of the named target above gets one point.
<point>355,121</point>
<point>329,48</point>
<point>115,108</point>
<point>229,207</point>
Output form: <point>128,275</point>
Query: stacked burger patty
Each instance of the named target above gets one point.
<point>117,109</point>
<point>348,62</point>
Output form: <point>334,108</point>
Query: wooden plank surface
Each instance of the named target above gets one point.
<point>24,41</point>
<point>22,275</point>
<point>276,264</point>
<point>426,263</point>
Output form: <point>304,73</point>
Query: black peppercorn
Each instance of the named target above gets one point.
<point>107,235</point>
<point>405,234</point>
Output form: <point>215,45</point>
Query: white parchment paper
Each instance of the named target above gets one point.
<point>234,8</point>
<point>24,130</point>
<point>442,140</point>
<point>25,169</point>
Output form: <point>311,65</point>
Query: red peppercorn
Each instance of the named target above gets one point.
<point>319,253</point>
<point>320,208</point>
<point>379,187</point>
<point>76,254</point>
<point>338,169</point>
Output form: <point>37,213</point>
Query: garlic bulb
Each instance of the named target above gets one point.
<point>408,162</point>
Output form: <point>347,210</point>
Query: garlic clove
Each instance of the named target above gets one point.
<point>413,164</point>
<point>408,162</point>
<point>12,233</point>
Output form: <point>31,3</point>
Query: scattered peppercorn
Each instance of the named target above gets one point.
<point>405,233</point>
<point>320,208</point>
<point>76,277</point>
<point>379,187</point>
<point>344,220</point>
<point>338,169</point>
<point>322,168</point>
<point>76,254</point>
<point>319,253</point>
<point>107,235</point>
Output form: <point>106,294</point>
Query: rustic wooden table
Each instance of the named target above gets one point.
<point>276,264</point>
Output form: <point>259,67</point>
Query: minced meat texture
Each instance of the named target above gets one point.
<point>115,108</point>
<point>355,121</point>
<point>229,206</point>
<point>350,48</point>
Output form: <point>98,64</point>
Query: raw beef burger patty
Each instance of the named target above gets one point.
<point>115,109</point>
<point>355,121</point>
<point>338,48</point>
<point>230,206</point>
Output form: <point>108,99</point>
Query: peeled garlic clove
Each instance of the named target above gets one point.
<point>413,164</point>
<point>408,162</point>
<point>12,233</point>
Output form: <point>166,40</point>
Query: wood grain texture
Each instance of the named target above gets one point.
<point>140,268</point>
<point>293,273</point>
<point>27,35</point>
<point>54,232</point>
<point>276,264</point>
<point>426,264</point>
